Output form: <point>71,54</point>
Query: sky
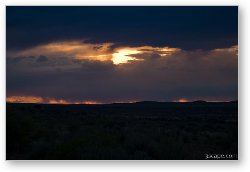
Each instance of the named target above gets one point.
<point>121,54</point>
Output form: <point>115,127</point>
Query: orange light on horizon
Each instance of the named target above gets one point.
<point>183,100</point>
<point>91,102</point>
<point>46,100</point>
<point>24,99</point>
<point>54,101</point>
<point>36,99</point>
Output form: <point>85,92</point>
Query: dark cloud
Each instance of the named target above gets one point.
<point>66,52</point>
<point>14,59</point>
<point>96,66</point>
<point>18,59</point>
<point>209,75</point>
<point>185,27</point>
<point>41,59</point>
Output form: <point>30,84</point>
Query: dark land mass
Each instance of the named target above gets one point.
<point>122,131</point>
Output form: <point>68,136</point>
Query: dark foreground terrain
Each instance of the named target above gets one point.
<point>146,130</point>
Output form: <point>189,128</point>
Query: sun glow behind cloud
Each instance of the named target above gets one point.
<point>108,66</point>
<point>123,56</point>
<point>75,49</point>
<point>87,51</point>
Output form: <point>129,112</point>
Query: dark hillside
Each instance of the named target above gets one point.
<point>142,130</point>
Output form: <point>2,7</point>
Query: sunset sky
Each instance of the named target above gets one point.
<point>121,54</point>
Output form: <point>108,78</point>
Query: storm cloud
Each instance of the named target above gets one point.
<point>190,27</point>
<point>121,54</point>
<point>209,75</point>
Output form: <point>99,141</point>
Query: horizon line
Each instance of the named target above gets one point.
<point>71,103</point>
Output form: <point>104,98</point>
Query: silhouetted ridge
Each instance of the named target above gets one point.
<point>147,102</point>
<point>200,101</point>
<point>234,101</point>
